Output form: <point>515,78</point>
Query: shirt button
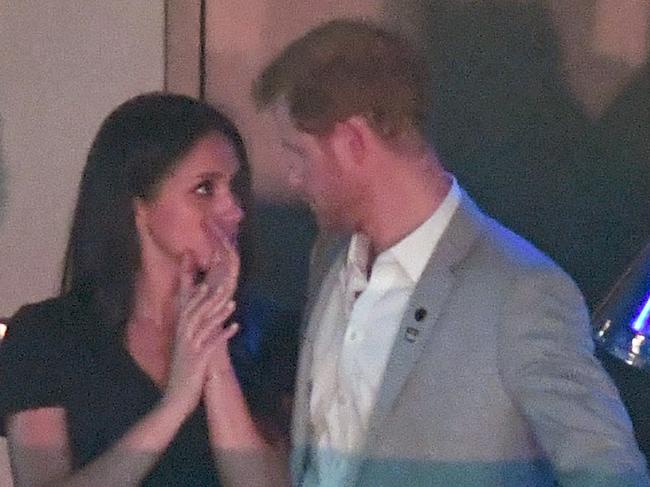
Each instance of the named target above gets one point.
<point>353,336</point>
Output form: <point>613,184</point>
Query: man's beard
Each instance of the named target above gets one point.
<point>333,218</point>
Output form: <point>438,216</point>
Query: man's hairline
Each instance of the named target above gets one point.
<point>280,100</point>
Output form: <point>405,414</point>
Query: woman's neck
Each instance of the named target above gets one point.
<point>155,298</point>
<point>152,326</point>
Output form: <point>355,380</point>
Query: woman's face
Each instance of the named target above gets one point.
<point>193,207</point>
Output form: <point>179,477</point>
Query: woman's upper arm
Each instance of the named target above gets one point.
<point>38,446</point>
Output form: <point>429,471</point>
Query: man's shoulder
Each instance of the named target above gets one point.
<point>502,249</point>
<point>515,249</point>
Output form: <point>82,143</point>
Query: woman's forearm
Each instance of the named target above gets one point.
<point>129,461</point>
<point>242,455</point>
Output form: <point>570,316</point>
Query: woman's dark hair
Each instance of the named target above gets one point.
<point>135,149</point>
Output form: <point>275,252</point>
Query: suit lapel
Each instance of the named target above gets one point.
<point>411,339</point>
<point>425,306</point>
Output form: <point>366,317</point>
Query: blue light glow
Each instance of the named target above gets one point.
<point>640,324</point>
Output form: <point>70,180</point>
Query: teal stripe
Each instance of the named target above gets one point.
<point>425,473</point>
<point>604,479</point>
<point>456,474</point>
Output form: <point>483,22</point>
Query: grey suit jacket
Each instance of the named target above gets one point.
<point>493,384</point>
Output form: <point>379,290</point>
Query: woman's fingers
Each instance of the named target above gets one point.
<point>192,307</point>
<point>221,312</point>
<point>217,351</point>
<point>214,323</point>
<point>202,338</point>
<point>230,331</point>
<point>186,287</point>
<point>224,265</point>
<point>200,299</point>
<point>216,343</point>
<point>204,309</point>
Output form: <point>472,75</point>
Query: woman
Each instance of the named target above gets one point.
<point>126,378</point>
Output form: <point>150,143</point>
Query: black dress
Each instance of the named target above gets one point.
<point>52,356</point>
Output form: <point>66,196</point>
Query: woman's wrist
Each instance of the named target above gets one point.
<point>221,376</point>
<point>176,406</point>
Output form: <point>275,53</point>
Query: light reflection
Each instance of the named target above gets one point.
<point>641,322</point>
<point>635,349</point>
<point>622,320</point>
<point>604,328</point>
<point>3,330</point>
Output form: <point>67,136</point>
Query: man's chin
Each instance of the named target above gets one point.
<point>332,223</point>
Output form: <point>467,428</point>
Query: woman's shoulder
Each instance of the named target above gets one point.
<point>35,354</point>
<point>57,308</point>
<point>44,323</point>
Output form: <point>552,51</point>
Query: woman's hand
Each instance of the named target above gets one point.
<point>223,269</point>
<point>242,455</point>
<point>224,275</point>
<point>200,333</point>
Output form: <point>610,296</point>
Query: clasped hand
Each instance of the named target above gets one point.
<point>202,333</point>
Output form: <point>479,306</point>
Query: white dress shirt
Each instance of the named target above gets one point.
<point>355,338</point>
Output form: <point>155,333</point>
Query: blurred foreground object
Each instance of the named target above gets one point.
<point>622,327</point>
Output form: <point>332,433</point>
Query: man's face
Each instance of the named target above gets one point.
<point>315,171</point>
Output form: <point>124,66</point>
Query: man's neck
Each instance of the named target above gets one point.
<point>401,203</point>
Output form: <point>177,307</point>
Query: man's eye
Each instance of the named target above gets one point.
<point>204,188</point>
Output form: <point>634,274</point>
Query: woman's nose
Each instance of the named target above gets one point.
<point>237,213</point>
<point>229,209</point>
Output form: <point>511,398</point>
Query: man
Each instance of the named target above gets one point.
<point>441,348</point>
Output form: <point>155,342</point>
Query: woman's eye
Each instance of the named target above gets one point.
<point>204,188</point>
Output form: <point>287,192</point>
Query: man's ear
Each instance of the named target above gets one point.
<point>350,140</point>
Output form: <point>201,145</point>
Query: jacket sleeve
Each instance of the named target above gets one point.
<point>547,364</point>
